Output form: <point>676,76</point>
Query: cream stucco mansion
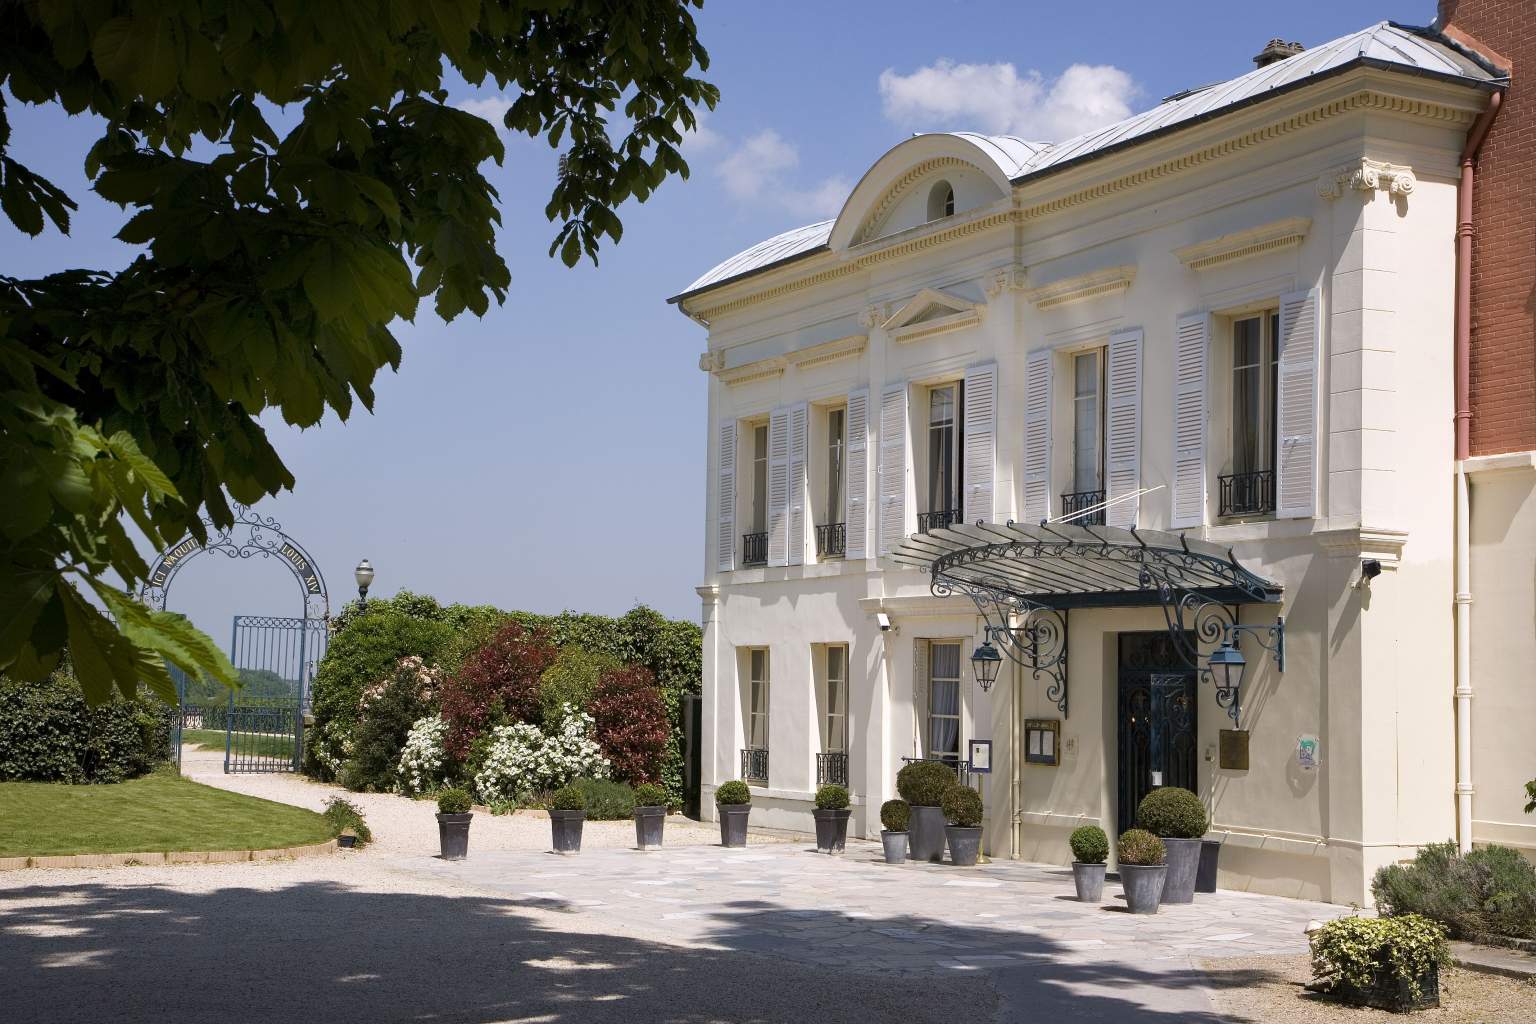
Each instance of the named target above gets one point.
<point>1067,399</point>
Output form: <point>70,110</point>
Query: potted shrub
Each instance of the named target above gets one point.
<point>453,817</point>
<point>831,816</point>
<point>567,811</point>
<point>895,815</point>
<point>1142,870</point>
<point>922,784</point>
<point>650,815</point>
<point>963,812</point>
<point>1090,849</point>
<point>734,802</point>
<point>346,838</point>
<point>1178,818</point>
<point>1390,963</point>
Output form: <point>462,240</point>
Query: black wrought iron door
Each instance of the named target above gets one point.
<point>1157,720</point>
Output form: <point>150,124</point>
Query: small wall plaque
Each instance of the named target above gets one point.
<point>1233,750</point>
<point>1042,741</point>
<point>1309,752</point>
<point>980,754</point>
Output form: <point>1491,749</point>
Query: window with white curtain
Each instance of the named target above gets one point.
<point>944,700</point>
<point>760,478</point>
<point>836,442</point>
<point>834,726</point>
<point>1254,356</point>
<point>1088,421</point>
<point>757,706</point>
<point>944,439</point>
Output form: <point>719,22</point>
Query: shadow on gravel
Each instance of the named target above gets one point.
<point>323,952</point>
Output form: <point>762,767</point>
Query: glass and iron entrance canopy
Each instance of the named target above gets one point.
<point>1063,566</point>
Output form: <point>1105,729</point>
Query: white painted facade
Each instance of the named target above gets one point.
<point>1329,205</point>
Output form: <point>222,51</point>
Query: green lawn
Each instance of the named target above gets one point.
<point>251,744</point>
<point>157,813</point>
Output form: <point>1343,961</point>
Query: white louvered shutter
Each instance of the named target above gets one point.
<point>778,487</point>
<point>725,500</point>
<point>1122,430</point>
<point>1296,447</point>
<point>1037,436</point>
<point>980,471</point>
<point>1191,343</point>
<point>920,694</point>
<point>799,416</point>
<point>893,467</point>
<point>856,485</point>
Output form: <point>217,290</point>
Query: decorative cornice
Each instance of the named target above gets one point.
<point>1367,176</point>
<point>746,373</point>
<point>829,351</point>
<point>1084,286</point>
<point>904,327</point>
<point>1004,279</point>
<point>1365,100</point>
<point>1364,542</point>
<point>1240,245</point>
<point>875,219</point>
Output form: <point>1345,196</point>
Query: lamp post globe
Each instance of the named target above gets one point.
<point>364,576</point>
<point>985,663</point>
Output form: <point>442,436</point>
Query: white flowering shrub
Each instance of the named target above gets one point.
<point>332,746</point>
<point>521,760</point>
<point>423,763</point>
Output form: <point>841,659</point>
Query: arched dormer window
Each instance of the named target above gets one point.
<point>941,200</point>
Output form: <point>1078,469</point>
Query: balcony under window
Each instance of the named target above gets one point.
<point>1248,494</point>
<point>831,540</point>
<point>754,765</point>
<point>754,549</point>
<point>832,768</point>
<point>1076,501</point>
<point>927,521</point>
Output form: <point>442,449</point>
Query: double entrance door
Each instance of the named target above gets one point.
<point>1157,720</point>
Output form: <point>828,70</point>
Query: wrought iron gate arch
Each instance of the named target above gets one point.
<point>258,735</point>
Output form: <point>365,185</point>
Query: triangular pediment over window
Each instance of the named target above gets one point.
<point>931,312</point>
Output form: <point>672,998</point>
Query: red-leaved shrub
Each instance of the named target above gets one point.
<point>498,682</point>
<point>631,721</point>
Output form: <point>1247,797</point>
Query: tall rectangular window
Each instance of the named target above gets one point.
<point>757,706</point>
<point>944,439</point>
<point>760,478</point>
<point>834,729</point>
<point>1254,355</point>
<point>836,442</point>
<point>944,701</point>
<point>1088,421</point>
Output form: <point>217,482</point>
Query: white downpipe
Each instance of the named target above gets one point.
<point>1463,663</point>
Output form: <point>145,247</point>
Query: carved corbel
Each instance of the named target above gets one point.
<point>1367,176</point>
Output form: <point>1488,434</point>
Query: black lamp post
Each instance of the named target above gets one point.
<point>364,576</point>
<point>1226,665</point>
<point>985,662</point>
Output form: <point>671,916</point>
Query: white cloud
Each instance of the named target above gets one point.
<point>703,138</point>
<point>760,169</point>
<point>997,98</point>
<point>492,108</point>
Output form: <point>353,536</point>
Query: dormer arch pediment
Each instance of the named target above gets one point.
<point>931,312</point>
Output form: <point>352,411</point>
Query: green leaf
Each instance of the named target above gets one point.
<point>22,598</point>
<point>103,659</point>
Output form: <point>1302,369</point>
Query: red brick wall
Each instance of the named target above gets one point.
<point>1503,352</point>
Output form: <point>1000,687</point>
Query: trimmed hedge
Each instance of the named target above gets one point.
<point>1089,845</point>
<point>895,815</point>
<point>924,783</point>
<point>733,793</point>
<point>832,797</point>
<point>1486,893</point>
<point>1140,847</point>
<point>605,800</point>
<point>1172,813</point>
<point>568,798</point>
<point>648,794</point>
<point>454,801</point>
<point>963,807</point>
<point>49,734</point>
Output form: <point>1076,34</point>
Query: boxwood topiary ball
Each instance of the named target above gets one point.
<point>568,798</point>
<point>1140,847</point>
<point>453,801</point>
<point>924,783</point>
<point>1172,813</point>
<point>648,794</point>
<point>895,815</point>
<point>1089,845</point>
<point>962,807</point>
<point>733,792</point>
<point>832,797</point>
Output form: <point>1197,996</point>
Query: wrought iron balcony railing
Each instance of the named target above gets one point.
<point>1248,494</point>
<point>754,764</point>
<point>754,549</point>
<point>832,768</point>
<point>1079,500</point>
<point>831,540</point>
<point>938,520</point>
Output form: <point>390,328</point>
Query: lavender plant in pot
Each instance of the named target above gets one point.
<point>1178,818</point>
<point>1142,870</point>
<point>922,784</point>
<point>567,812</point>
<point>963,811</point>
<point>650,815</point>
<point>1090,849</point>
<point>453,818</point>
<point>831,816</point>
<point>895,815</point>
<point>734,802</point>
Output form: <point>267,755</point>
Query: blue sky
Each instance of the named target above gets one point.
<point>552,454</point>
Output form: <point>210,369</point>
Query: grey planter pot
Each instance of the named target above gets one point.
<point>1089,879</point>
<point>649,823</point>
<point>1210,855</point>
<point>1391,993</point>
<point>831,829</point>
<point>453,835</point>
<point>1143,886</point>
<point>895,844</point>
<point>925,841</point>
<point>733,824</point>
<point>964,845</point>
<point>1183,866</point>
<point>565,830</point>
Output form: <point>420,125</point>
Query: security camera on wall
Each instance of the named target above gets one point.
<point>884,622</point>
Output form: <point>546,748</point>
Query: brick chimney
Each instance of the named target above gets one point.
<point>1276,50</point>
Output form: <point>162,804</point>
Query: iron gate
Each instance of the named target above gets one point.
<point>275,659</point>
<point>1157,721</point>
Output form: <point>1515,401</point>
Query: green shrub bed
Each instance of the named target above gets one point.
<point>48,734</point>
<point>1486,894</point>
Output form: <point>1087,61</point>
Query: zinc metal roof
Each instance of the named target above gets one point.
<point>1385,44</point>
